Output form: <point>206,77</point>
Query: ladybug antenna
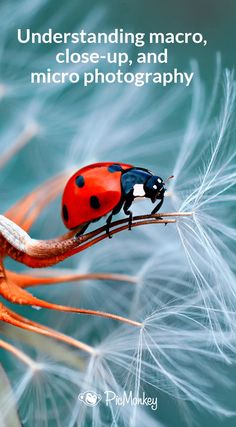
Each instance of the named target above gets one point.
<point>169,177</point>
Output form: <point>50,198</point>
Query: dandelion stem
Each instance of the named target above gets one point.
<point>42,253</point>
<point>12,318</point>
<point>18,353</point>
<point>11,292</point>
<point>27,280</point>
<point>138,218</point>
<point>26,211</point>
<point>59,352</point>
<point>118,230</point>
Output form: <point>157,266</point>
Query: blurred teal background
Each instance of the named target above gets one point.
<point>215,19</point>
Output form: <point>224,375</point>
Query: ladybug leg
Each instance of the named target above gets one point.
<point>115,211</point>
<point>82,230</point>
<point>157,207</point>
<point>108,223</point>
<point>127,205</point>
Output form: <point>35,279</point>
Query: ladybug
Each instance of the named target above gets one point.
<point>102,188</point>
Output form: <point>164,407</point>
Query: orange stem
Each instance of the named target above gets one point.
<point>18,353</point>
<point>8,316</point>
<point>74,247</point>
<point>26,280</point>
<point>15,294</point>
<point>24,213</point>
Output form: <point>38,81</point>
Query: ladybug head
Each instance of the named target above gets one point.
<point>154,188</point>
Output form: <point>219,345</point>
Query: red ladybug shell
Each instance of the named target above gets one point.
<point>91,193</point>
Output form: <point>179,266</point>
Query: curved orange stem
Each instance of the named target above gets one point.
<point>8,316</point>
<point>26,280</point>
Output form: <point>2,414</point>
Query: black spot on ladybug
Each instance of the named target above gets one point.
<point>65,213</point>
<point>94,202</point>
<point>79,181</point>
<point>114,168</point>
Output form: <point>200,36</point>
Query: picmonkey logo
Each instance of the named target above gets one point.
<point>90,398</point>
